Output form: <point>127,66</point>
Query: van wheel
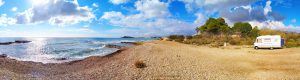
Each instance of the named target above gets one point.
<point>256,47</point>
<point>271,48</point>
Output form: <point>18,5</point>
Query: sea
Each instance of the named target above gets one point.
<point>58,50</point>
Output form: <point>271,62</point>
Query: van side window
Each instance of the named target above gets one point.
<point>267,40</point>
<point>259,41</point>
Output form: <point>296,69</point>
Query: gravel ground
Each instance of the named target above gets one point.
<point>167,60</point>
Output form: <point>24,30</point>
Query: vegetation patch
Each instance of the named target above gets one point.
<point>140,64</point>
<point>215,32</point>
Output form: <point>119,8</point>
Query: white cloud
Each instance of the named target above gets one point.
<point>153,17</point>
<point>1,2</point>
<point>112,15</point>
<point>241,10</point>
<point>95,5</point>
<point>118,1</point>
<point>268,24</point>
<point>152,20</point>
<point>150,11</point>
<point>200,18</point>
<point>152,8</point>
<point>294,20</point>
<point>275,25</point>
<point>81,30</point>
<point>14,9</point>
<point>4,20</point>
<point>213,5</point>
<point>56,12</point>
<point>268,7</point>
<point>161,27</point>
<point>251,13</point>
<point>61,32</point>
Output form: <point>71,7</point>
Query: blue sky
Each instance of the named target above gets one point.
<point>115,18</point>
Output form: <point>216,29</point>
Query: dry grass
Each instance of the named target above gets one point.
<point>237,47</point>
<point>138,43</point>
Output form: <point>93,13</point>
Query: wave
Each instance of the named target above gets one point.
<point>64,50</point>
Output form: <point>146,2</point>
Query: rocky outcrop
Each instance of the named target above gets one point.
<point>61,59</point>
<point>6,43</point>
<point>128,42</point>
<point>3,55</point>
<point>22,41</point>
<point>133,43</point>
<point>17,41</point>
<point>127,37</point>
<point>114,46</point>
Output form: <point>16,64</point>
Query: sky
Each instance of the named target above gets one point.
<point>139,18</point>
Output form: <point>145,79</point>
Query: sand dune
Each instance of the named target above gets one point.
<point>168,60</point>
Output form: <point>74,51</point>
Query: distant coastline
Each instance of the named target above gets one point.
<point>127,37</point>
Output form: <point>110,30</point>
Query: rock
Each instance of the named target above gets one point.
<point>128,42</point>
<point>6,43</point>
<point>127,37</point>
<point>17,41</point>
<point>61,59</point>
<point>113,46</point>
<point>133,43</point>
<point>3,55</point>
<point>22,41</point>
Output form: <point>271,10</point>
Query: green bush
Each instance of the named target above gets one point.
<point>234,42</point>
<point>188,37</point>
<point>291,43</point>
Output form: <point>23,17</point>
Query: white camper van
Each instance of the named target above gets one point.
<point>269,41</point>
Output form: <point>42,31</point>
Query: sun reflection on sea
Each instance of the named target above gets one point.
<point>37,49</point>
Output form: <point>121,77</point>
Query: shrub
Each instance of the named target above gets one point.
<point>246,41</point>
<point>216,44</point>
<point>198,41</point>
<point>291,43</point>
<point>140,64</point>
<point>235,41</point>
<point>188,37</point>
<point>177,38</point>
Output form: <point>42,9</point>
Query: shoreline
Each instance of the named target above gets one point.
<point>39,70</point>
<point>110,54</point>
<point>165,60</point>
<point>65,60</point>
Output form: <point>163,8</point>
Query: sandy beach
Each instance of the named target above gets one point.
<point>166,60</point>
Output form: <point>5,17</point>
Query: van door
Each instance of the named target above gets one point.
<point>282,42</point>
<point>258,43</point>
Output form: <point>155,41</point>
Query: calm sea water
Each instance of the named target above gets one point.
<point>50,50</point>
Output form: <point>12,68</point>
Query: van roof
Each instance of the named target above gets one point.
<point>269,36</point>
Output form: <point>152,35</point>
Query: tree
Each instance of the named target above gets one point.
<point>214,26</point>
<point>225,29</point>
<point>254,32</point>
<point>244,28</point>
